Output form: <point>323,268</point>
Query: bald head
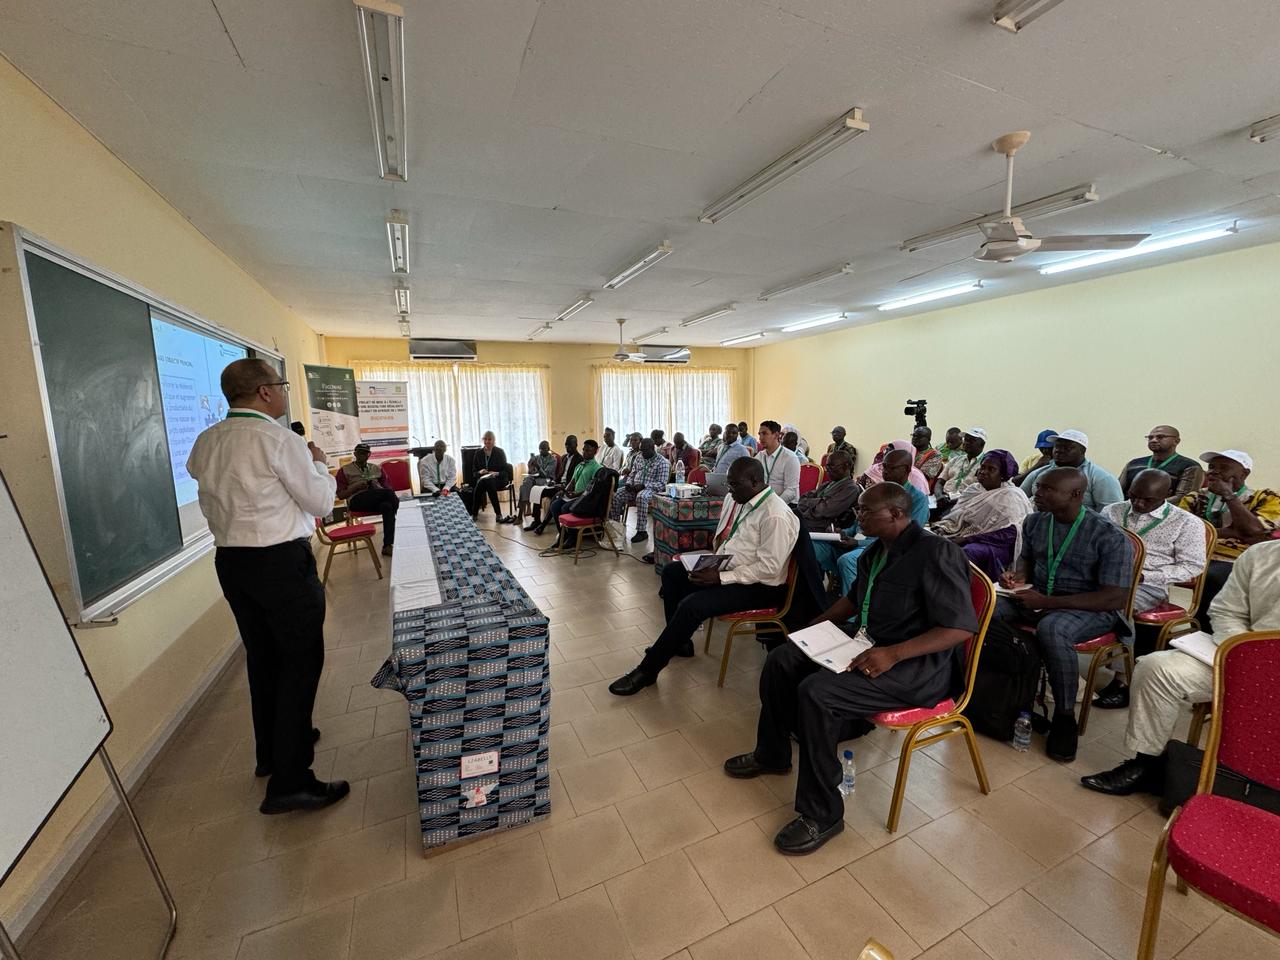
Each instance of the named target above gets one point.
<point>242,378</point>
<point>1149,490</point>
<point>891,496</point>
<point>896,466</point>
<point>1163,440</point>
<point>1060,491</point>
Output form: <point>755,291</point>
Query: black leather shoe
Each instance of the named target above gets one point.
<point>640,536</point>
<point>264,770</point>
<point>315,797</point>
<point>1063,738</point>
<point>745,766</point>
<point>387,549</point>
<point>686,650</point>
<point>1132,776</point>
<point>803,835</point>
<point>1113,696</point>
<point>632,683</point>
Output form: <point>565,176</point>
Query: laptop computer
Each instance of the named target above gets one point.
<point>717,485</point>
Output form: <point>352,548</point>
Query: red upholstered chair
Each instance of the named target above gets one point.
<point>1229,850</point>
<point>810,477</point>
<point>945,719</point>
<point>697,475</point>
<point>752,620</point>
<point>1169,616</point>
<point>353,537</point>
<point>1108,648</point>
<point>592,525</point>
<point>823,461</point>
<point>395,473</point>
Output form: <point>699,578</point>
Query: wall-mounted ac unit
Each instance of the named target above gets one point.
<point>442,349</point>
<point>653,353</point>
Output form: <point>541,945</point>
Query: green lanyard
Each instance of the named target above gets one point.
<point>965,472</point>
<point>768,467</point>
<point>1163,463</point>
<point>871,582</point>
<point>249,416</point>
<point>746,513</point>
<point>1055,559</point>
<point>438,465</point>
<point>1210,502</point>
<point>1150,526</point>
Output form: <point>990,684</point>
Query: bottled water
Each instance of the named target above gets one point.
<point>679,471</point>
<point>1022,732</point>
<point>847,785</point>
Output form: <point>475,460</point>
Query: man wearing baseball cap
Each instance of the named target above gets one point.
<point>962,471</point>
<point>1069,448</point>
<point>364,488</point>
<point>1184,472</point>
<point>1041,458</point>
<point>1241,515</point>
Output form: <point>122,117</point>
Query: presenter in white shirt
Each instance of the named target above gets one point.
<point>781,467</point>
<point>759,531</point>
<point>438,472</point>
<point>261,486</point>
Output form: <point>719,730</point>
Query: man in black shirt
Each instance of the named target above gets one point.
<point>912,595</point>
<point>1185,473</point>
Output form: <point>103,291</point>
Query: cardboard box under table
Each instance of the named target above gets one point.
<point>680,525</point>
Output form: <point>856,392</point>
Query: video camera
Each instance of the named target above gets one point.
<point>918,409</point>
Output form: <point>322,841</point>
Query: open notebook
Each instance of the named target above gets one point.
<point>1199,645</point>
<point>829,646</point>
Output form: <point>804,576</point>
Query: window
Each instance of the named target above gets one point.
<point>640,397</point>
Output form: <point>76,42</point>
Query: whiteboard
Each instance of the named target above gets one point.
<point>52,720</point>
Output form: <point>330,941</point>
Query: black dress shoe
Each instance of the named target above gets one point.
<point>686,650</point>
<point>745,766</point>
<point>387,548</point>
<point>1132,776</point>
<point>530,526</point>
<point>1064,737</point>
<point>640,536</point>
<point>632,683</point>
<point>315,797</point>
<point>804,835</point>
<point>264,770</point>
<point>1113,696</point>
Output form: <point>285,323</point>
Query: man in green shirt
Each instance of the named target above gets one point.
<point>578,483</point>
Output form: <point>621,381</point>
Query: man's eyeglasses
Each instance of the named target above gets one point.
<point>278,383</point>
<point>867,511</point>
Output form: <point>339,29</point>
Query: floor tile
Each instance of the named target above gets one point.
<point>300,829</point>
<point>359,761</point>
<point>503,883</point>
<point>761,936</point>
<point>662,715</point>
<point>841,850</point>
<point>1231,937</point>
<point>395,921</point>
<point>602,732</point>
<point>1031,825</point>
<point>588,850</point>
<point>985,862</point>
<point>345,867</point>
<point>1020,927</point>
<point>600,781</point>
<point>663,907</point>
<point>499,942</point>
<point>834,917</point>
<point>867,811</point>
<point>955,947</point>
<point>664,820</point>
<point>743,871</point>
<point>662,760</point>
<point>323,935</point>
<point>391,795</point>
<point>583,925</point>
<point>728,802</point>
<point>1061,790</point>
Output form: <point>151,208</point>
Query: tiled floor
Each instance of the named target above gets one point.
<point>650,852</point>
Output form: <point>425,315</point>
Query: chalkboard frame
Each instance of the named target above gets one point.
<point>106,608</point>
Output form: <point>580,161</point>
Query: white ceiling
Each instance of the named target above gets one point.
<point>553,142</point>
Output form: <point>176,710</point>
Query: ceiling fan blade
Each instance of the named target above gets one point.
<point>999,230</point>
<point>925,273</point>
<point>1092,241</point>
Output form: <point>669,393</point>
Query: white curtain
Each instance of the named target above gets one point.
<point>640,397</point>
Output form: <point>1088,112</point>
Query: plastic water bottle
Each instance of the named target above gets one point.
<point>679,471</point>
<point>1022,732</point>
<point>848,784</point>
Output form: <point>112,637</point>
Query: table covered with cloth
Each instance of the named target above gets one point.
<point>682,525</point>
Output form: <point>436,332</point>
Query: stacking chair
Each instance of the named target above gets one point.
<point>743,620</point>
<point>592,525</point>
<point>396,474</point>
<point>697,475</point>
<point>1108,648</point>
<point>810,477</point>
<point>353,538</point>
<point>1169,616</point>
<point>1229,850</point>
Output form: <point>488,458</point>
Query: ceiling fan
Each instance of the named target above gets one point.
<point>623,356</point>
<point>1008,238</point>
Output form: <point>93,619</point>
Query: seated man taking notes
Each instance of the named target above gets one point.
<point>912,599</point>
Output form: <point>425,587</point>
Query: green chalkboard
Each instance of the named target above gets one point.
<point>108,425</point>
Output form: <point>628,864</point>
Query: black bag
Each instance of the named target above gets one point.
<point>1005,685</point>
<point>1182,774</point>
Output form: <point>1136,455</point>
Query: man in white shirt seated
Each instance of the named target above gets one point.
<point>781,467</point>
<point>438,472</point>
<point>260,488</point>
<point>1168,680</point>
<point>612,456</point>
<point>759,532</point>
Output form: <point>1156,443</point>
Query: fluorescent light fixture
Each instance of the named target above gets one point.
<point>1147,246</point>
<point>1054,203</point>
<point>942,294</point>
<point>381,26</point>
<point>809,281</point>
<point>745,338</point>
<point>1013,15</point>
<point>816,147</point>
<point>709,315</point>
<point>1265,130</point>
<point>651,335</point>
<point>639,267</point>
<point>568,312</point>
<point>539,330</point>
<point>398,241</point>
<point>810,324</point>
<point>402,301</point>
<point>405,330</point>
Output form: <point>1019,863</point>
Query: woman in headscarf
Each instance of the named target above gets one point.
<point>875,473</point>
<point>987,523</point>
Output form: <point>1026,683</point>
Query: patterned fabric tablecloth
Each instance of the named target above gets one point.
<point>679,525</point>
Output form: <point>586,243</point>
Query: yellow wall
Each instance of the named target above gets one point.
<point>1194,344</point>
<point>60,183</point>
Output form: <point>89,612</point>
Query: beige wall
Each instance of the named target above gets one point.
<point>1195,344</point>
<point>60,183</point>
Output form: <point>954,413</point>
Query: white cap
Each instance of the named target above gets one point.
<point>1239,456</point>
<point>1075,436</point>
<point>976,432</point>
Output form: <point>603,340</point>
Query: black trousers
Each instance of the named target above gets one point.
<point>1215,578</point>
<point>278,604</point>
<point>488,486</point>
<point>379,500</point>
<point>687,605</point>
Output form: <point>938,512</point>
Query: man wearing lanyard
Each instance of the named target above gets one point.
<point>961,471</point>
<point>1184,473</point>
<point>611,456</point>
<point>260,488</point>
<point>648,476</point>
<point>1072,580</point>
<point>362,485</point>
<point>1174,552</point>
<point>759,531</point>
<point>438,473</point>
<point>781,468</point>
<point>912,599</point>
<point>1069,449</point>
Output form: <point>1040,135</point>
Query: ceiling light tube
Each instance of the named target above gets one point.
<point>839,132</point>
<point>709,315</point>
<point>568,312</point>
<point>652,334</point>
<point>809,281</point>
<point>810,324</point>
<point>1147,246</point>
<point>381,28</point>
<point>1013,15</point>
<point>956,291</point>
<point>398,241</point>
<point>639,267</point>
<point>1265,130</point>
<point>405,330</point>
<point>745,338</point>
<point>539,330</point>
<point>402,301</point>
<point>1054,203</point>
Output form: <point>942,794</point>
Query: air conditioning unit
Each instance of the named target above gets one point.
<point>442,349</point>
<point>653,353</point>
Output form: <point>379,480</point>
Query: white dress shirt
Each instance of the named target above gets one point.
<point>258,484</point>
<point>611,457</point>
<point>762,546</point>
<point>1173,546</point>
<point>782,472</point>
<point>436,474</point>
<point>960,473</point>
<point>1250,599</point>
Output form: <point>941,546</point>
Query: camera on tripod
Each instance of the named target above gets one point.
<point>919,410</point>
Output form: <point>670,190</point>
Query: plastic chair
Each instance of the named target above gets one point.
<point>754,619</point>
<point>353,537</point>
<point>1170,616</point>
<point>1107,648</point>
<point>810,477</point>
<point>697,475</point>
<point>1229,850</point>
<point>584,525</point>
<point>946,719</point>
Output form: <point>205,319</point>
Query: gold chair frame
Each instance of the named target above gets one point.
<point>754,623</point>
<point>1119,650</point>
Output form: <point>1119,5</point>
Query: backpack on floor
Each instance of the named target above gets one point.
<point>1182,776</point>
<point>1005,685</point>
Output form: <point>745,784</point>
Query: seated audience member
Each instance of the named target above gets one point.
<point>801,449</point>
<point>781,466</point>
<point>437,472</point>
<point>927,460</point>
<point>875,473</point>
<point>484,475</point>
<point>574,487</point>
<point>633,451</point>
<point>791,440</point>
<point>959,473</point>
<point>830,505</point>
<point>1069,448</point>
<point>364,488</point>
<point>1077,568</point>
<point>895,468</point>
<point>1041,458</point>
<point>1185,474</point>
<point>732,449</point>
<point>569,461</point>
<point>759,531</point>
<point>1241,515</point>
<point>912,600</point>
<point>649,473</point>
<point>838,442</point>
<point>987,524</point>
<point>611,457</point>
<point>592,502</point>
<point>748,440</point>
<point>1174,552</point>
<point>1167,681</point>
<point>951,445</point>
<point>539,472</point>
<point>710,447</point>
<point>661,444</point>
<point>681,450</point>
